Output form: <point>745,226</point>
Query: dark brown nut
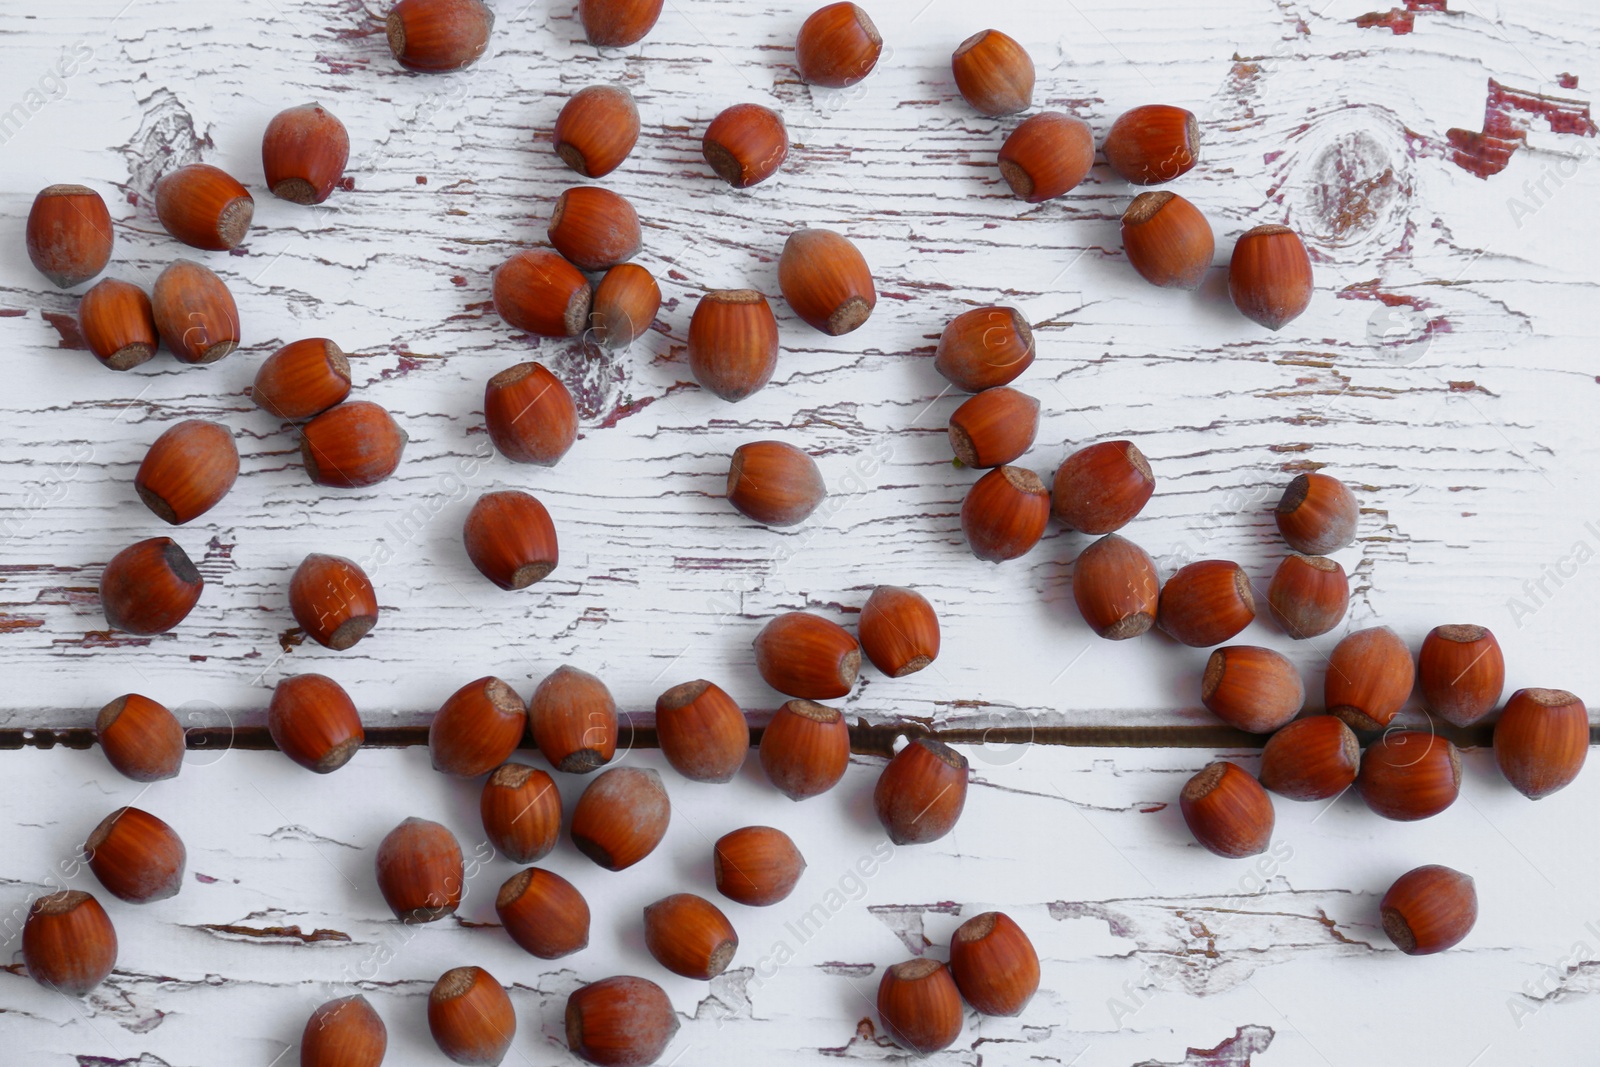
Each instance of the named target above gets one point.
<point>574,720</point>
<point>352,445</point>
<point>1308,595</point>
<point>344,1033</point>
<point>689,935</point>
<point>141,738</point>
<point>195,313</point>
<point>733,342</point>
<point>1099,489</point>
<point>1252,689</point>
<point>983,348</point>
<point>921,792</point>
<point>774,483</point>
<point>805,749</point>
<point>594,228</point>
<point>1317,514</point>
<point>303,153</point>
<point>511,539</point>
<point>1370,674</point>
<point>333,600</point>
<point>993,73</point>
<point>204,206</point>
<point>804,655</point>
<point>620,1022</point>
<point>1461,672</point>
<point>136,856</point>
<point>302,379</point>
<point>1409,774</point>
<point>899,630</point>
<point>543,913</point>
<point>477,728</point>
<point>1227,811</point>
<point>437,36</point>
<point>826,281</point>
<point>625,305</point>
<point>1047,156</point>
<point>471,1017</point>
<point>118,324</point>
<point>1206,603</point>
<point>994,964</point>
<point>521,812</point>
<point>994,427</point>
<point>538,291</point>
<point>188,470</point>
<point>1269,276</point>
<point>919,1005</point>
<point>530,414</point>
<point>69,234</point>
<point>617,23</point>
<point>68,942</point>
<point>1541,740</point>
<point>1429,909</point>
<point>838,46</point>
<point>702,732</point>
<point>149,587</point>
<point>597,128</point>
<point>1117,588</point>
<point>1005,514</point>
<point>621,817</point>
<point>1311,759</point>
<point>1168,241</point>
<point>314,722</point>
<point>746,144</point>
<point>756,865</point>
<point>1152,144</point>
<point>420,871</point>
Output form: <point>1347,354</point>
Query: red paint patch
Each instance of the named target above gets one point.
<point>1567,81</point>
<point>404,366</point>
<point>1370,291</point>
<point>13,623</point>
<point>11,313</point>
<point>67,327</point>
<point>422,179</point>
<point>1396,21</point>
<point>458,279</point>
<point>347,183</point>
<point>107,639</point>
<point>1508,114</point>
<point>622,411</point>
<point>204,879</point>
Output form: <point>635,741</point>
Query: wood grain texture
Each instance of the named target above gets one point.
<point>1438,156</point>
<point>1468,450</point>
<point>1150,946</point>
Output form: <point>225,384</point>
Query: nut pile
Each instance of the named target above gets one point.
<point>623,813</point>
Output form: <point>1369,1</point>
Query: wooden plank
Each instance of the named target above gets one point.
<point>1149,945</point>
<point>1470,453</point>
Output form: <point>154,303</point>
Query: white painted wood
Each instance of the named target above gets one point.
<point>1149,945</point>
<point>1470,491</point>
<point>1473,458</point>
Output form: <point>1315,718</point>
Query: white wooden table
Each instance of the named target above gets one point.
<point>1445,370</point>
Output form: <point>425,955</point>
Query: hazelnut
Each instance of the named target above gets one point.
<point>1269,276</point>
<point>1101,488</point>
<point>774,483</point>
<point>805,749</point>
<point>594,228</point>
<point>477,728</point>
<point>919,1005</point>
<point>118,324</point>
<point>471,1017</point>
<point>1317,514</point>
<point>1168,241</point>
<point>543,913</point>
<point>1206,603</point>
<point>195,313</point>
<point>689,935</point>
<point>149,587</point>
<point>68,942</point>
<point>1005,514</point>
<point>617,23</point>
<point>302,379</point>
<point>521,812</point>
<point>438,36</point>
<point>1047,156</point>
<point>994,427</point>
<point>352,445</point>
<point>1311,759</point>
<point>620,1022</point>
<point>1429,909</point>
<point>1152,144</point>
<point>69,234</point>
<point>983,348</point>
<point>314,722</point>
<point>1308,595</point>
<point>826,281</point>
<point>746,144</point>
<point>733,342</point>
<point>1252,689</point>
<point>899,630</point>
<point>574,720</point>
<point>921,792</point>
<point>510,539</point>
<point>621,817</point>
<point>303,153</point>
<point>756,865</point>
<point>420,872</point>
<point>1370,674</point>
<point>994,964</point>
<point>344,1033</point>
<point>993,73</point>
<point>1116,587</point>
<point>140,738</point>
<point>625,305</point>
<point>188,470</point>
<point>1541,740</point>
<point>1461,673</point>
<point>538,291</point>
<point>597,128</point>
<point>702,732</point>
<point>204,206</point>
<point>136,856</point>
<point>1409,774</point>
<point>333,600</point>
<point>530,414</point>
<point>837,47</point>
<point>804,655</point>
<point>1227,811</point>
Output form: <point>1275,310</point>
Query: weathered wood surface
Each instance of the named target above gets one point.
<point>1470,449</point>
<point>1149,945</point>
